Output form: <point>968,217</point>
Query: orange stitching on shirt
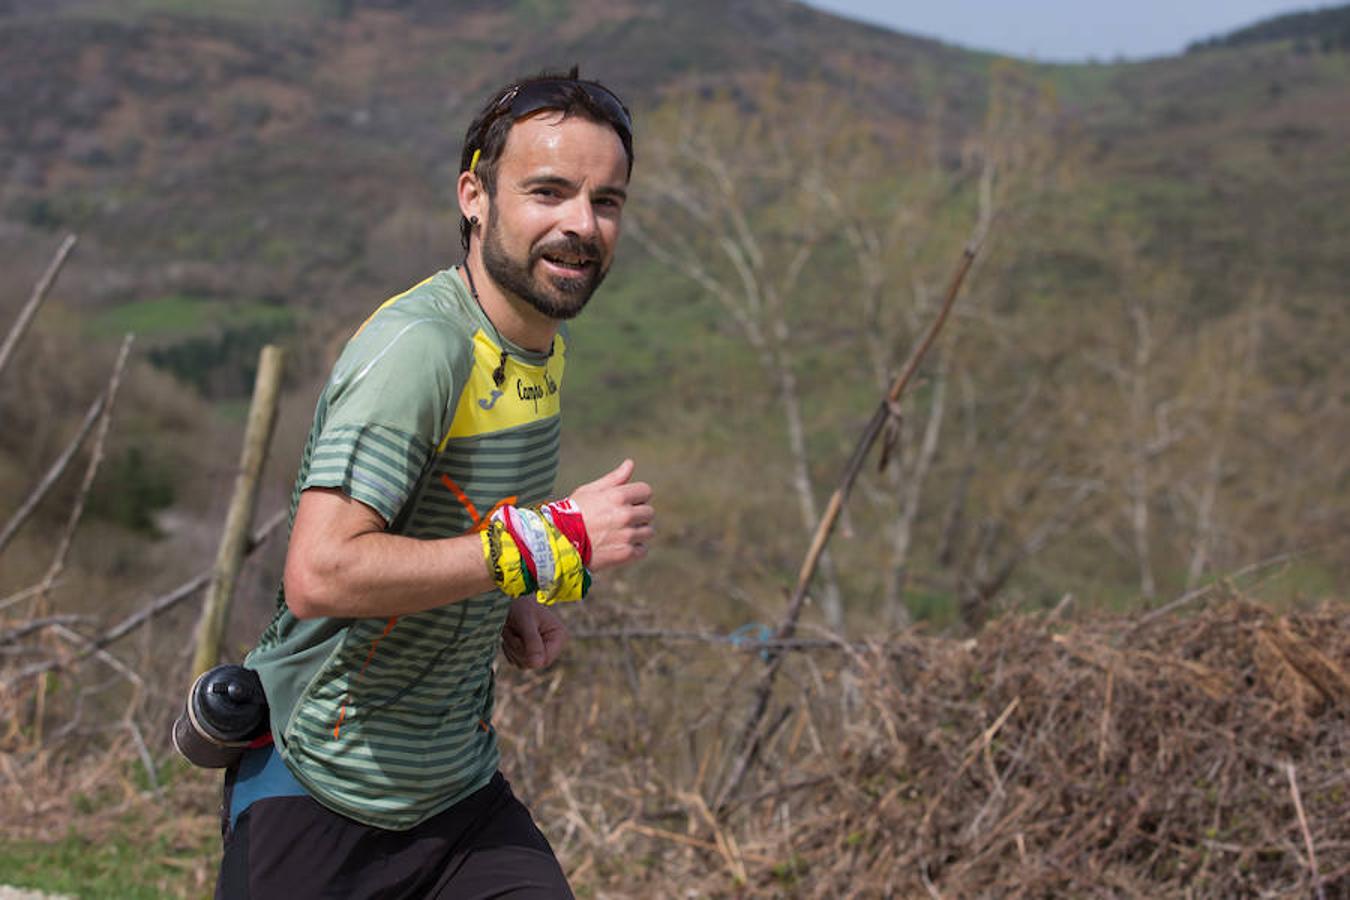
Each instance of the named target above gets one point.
<point>370,654</point>
<point>479,522</point>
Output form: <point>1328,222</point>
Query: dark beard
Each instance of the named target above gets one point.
<point>557,298</point>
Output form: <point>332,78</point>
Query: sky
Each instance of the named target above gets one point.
<point>1067,30</point>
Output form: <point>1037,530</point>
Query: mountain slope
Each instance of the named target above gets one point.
<point>263,169</point>
<point>1316,29</point>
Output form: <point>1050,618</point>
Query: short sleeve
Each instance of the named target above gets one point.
<point>385,409</point>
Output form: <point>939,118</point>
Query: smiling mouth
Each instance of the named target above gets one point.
<point>571,256</point>
<point>568,262</point>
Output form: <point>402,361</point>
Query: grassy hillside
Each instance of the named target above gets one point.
<point>188,137</point>
<point>248,175</point>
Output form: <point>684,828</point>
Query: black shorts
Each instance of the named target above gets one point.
<point>294,848</point>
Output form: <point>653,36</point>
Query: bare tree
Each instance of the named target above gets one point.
<point>902,245</point>
<point>733,212</point>
<point>886,250</point>
<point>1226,372</point>
<point>752,189</point>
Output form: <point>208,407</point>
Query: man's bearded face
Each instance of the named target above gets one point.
<point>533,276</point>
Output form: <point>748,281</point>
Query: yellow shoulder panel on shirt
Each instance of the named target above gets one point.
<point>527,394</point>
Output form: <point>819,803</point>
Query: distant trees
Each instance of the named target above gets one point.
<point>803,225</point>
<point>740,212</point>
<point>1327,30</point>
<point>1083,425</point>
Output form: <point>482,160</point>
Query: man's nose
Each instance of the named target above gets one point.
<point>580,219</point>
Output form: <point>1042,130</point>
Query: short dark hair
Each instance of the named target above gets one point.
<point>566,93</point>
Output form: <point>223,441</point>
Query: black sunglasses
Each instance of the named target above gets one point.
<point>533,96</point>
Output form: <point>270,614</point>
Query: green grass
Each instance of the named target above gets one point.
<point>935,609</point>
<point>121,867</point>
<point>180,315</point>
<point>164,315</point>
<point>210,344</point>
<point>1301,583</point>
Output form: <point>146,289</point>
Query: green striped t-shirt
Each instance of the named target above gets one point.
<point>389,721</point>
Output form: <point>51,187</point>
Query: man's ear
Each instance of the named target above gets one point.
<point>472,198</point>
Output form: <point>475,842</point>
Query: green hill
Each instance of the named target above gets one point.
<point>1156,329</point>
<point>1327,30</point>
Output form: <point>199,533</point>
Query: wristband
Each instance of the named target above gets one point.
<point>528,553</point>
<point>566,584</point>
<point>567,518</point>
<point>531,533</point>
<point>504,561</point>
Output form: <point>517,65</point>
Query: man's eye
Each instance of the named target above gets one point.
<point>545,192</point>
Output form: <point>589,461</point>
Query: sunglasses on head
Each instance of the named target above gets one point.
<point>550,93</point>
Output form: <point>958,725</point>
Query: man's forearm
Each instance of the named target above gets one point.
<point>341,563</point>
<point>379,574</point>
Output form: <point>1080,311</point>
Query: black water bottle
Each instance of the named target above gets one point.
<point>226,710</point>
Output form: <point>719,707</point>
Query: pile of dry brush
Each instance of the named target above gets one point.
<point>1183,755</point>
<point>1194,754</point>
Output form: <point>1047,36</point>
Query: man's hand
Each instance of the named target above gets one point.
<point>618,516</point>
<point>533,635</point>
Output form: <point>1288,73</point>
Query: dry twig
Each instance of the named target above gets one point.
<point>1204,590</point>
<point>54,474</point>
<point>152,609</point>
<point>20,326</point>
<point>58,563</point>
<point>1307,833</point>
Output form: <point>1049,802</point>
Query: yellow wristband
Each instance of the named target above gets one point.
<point>503,560</point>
<point>568,579</point>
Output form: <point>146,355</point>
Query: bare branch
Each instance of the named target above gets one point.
<point>152,609</point>
<point>1198,593</point>
<point>20,326</point>
<point>1303,826</point>
<point>54,474</point>
<point>870,434</point>
<point>27,628</point>
<point>91,470</point>
<point>19,596</point>
<point>679,196</point>
<point>750,645</point>
<point>687,264</point>
<point>751,289</point>
<point>142,751</point>
<point>113,662</point>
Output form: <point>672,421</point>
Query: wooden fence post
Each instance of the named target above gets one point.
<point>262,417</point>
